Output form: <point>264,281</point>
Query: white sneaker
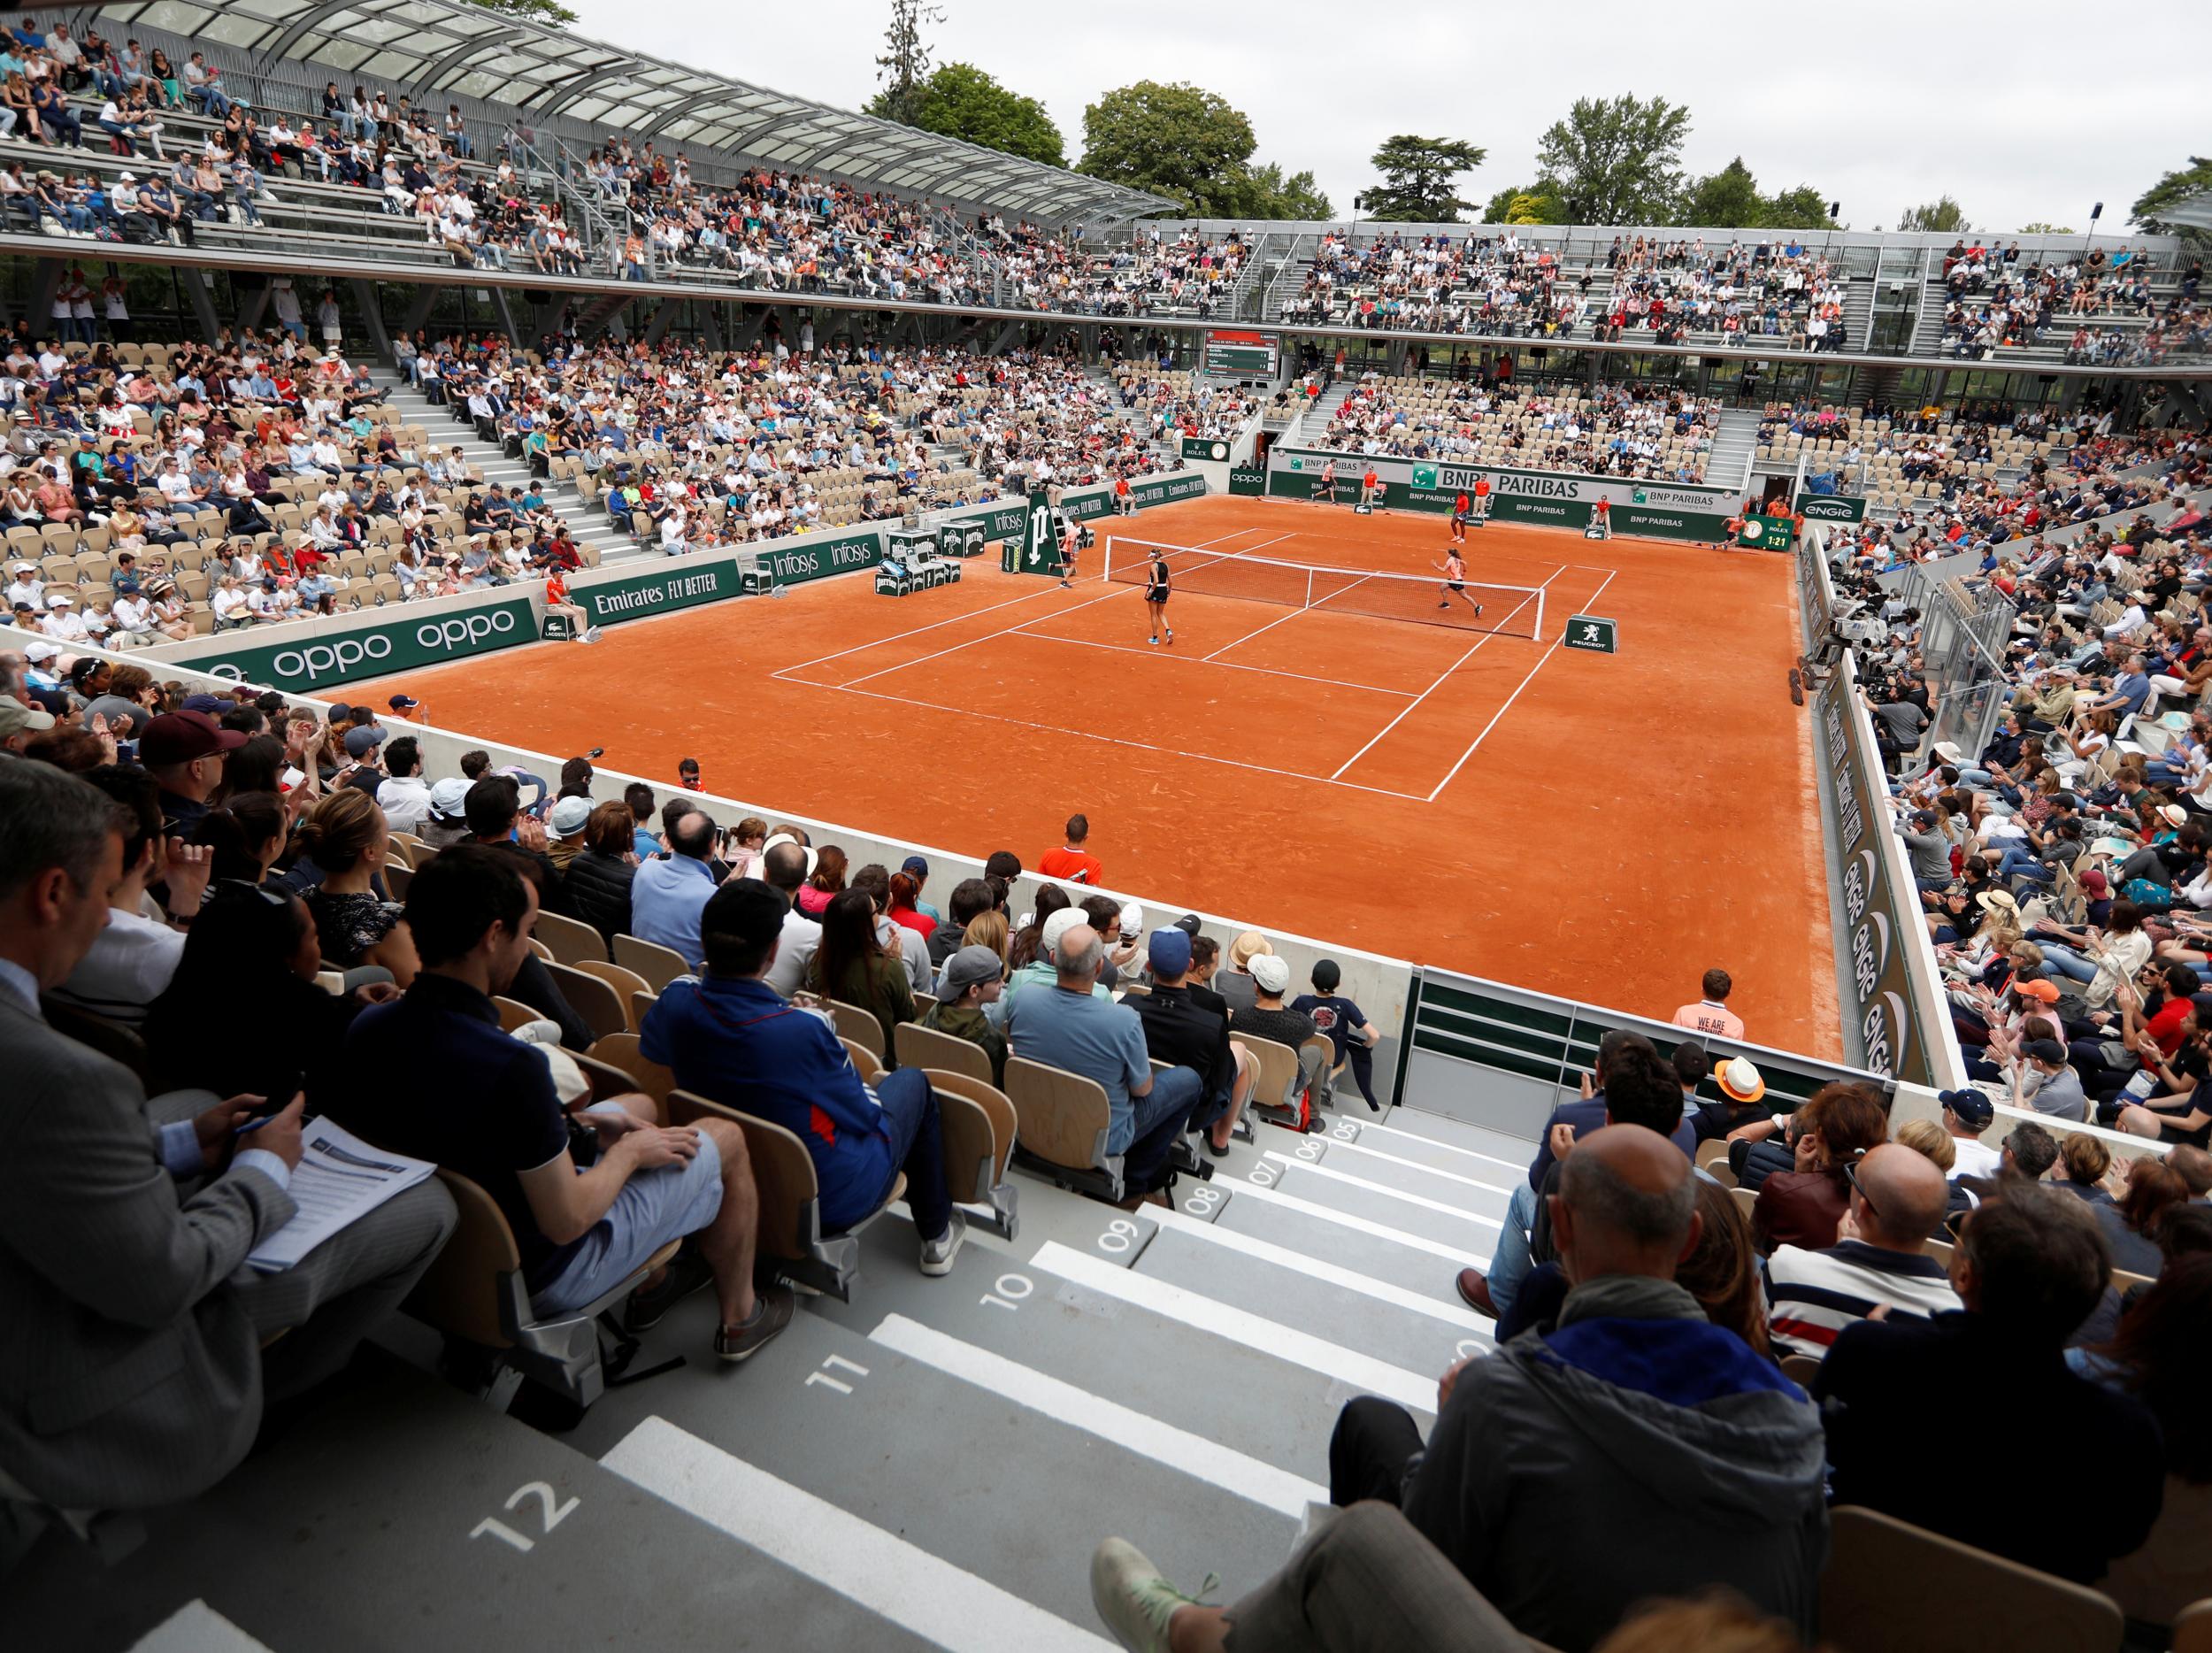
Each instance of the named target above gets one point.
<point>937,1254</point>
<point>1133,1599</point>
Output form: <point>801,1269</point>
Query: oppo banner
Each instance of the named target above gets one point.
<point>310,663</point>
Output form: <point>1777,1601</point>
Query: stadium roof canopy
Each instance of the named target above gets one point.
<point>2194,213</point>
<point>451,48</point>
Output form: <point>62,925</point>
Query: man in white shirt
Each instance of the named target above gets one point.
<point>784,865</point>
<point>24,586</point>
<point>133,958</point>
<point>1966,1115</point>
<point>62,622</point>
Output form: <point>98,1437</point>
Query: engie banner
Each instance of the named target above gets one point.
<point>310,663</point>
<point>1559,499</point>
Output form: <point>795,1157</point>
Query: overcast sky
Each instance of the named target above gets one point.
<point>2021,112</point>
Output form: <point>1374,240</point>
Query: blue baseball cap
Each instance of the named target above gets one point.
<point>1168,951</point>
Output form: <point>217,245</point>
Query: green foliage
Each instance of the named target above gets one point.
<point>2171,191</point>
<point>2040,228</point>
<point>1185,143</point>
<point>548,12</point>
<point>1296,197</point>
<point>1727,199</point>
<point>1802,208</point>
<point>1524,204</point>
<point>1942,215</point>
<point>1615,160</point>
<point>1416,180</point>
<point>961,101</point>
<point>904,66</point>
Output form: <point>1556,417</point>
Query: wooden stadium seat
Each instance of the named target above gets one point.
<point>513,1013</point>
<point>1745,1198</point>
<point>475,1291</point>
<point>865,1062</point>
<point>608,1080</point>
<point>539,949</point>
<point>597,1003</point>
<point>572,942</point>
<point>858,1027</point>
<point>1061,1121</point>
<point>397,876</point>
<point>658,965</point>
<point>640,1002</point>
<point>2124,1282</point>
<point>400,850</point>
<point>622,1050</point>
<point>627,984</point>
<point>2192,1628</point>
<point>1801,1370</point>
<point>980,1131</point>
<point>925,1047</point>
<point>791,1236</point>
<point>1708,1152</point>
<point>1893,1588</point>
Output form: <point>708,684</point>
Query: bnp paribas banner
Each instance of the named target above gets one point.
<point>344,651</point>
<point>1559,499</point>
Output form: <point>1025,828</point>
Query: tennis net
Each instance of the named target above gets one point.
<point>1424,599</point>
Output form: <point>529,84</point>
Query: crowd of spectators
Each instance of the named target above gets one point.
<point>1153,274</point>
<point>1996,299</point>
<point>1654,432</point>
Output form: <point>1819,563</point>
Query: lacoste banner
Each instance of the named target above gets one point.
<point>311,663</point>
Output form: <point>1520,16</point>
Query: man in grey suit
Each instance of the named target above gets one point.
<point>132,1371</point>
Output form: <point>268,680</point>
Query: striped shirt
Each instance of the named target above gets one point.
<point>1812,1295</point>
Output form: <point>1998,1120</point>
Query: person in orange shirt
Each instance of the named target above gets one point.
<point>1073,864</point>
<point>1369,489</point>
<point>1710,1015</point>
<point>556,602</point>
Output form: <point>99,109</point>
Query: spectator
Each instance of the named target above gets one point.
<point>2029,1268</point>
<point>494,1118</point>
<point>1352,1037</point>
<point>2042,1080</point>
<point>2131,1224</point>
<point>598,880</point>
<point>784,866</point>
<point>1072,1025</point>
<point>134,957</point>
<point>1803,1206</point>
<point>185,752</point>
<point>565,824</point>
<point>122,1247</point>
<point>1930,1140</point>
<point>669,892</point>
<point>730,1037</point>
<point>1234,984</point>
<point>1074,862</point>
<point>1268,1017</point>
<point>447,822</point>
<point>972,979</point>
<point>1568,1443</point>
<point>1742,1089</point>
<point>1182,1033</point>
<point>852,964</point>
<point>345,837</point>
<point>1966,1115</point>
<point>970,900</point>
<point>404,797</point>
<point>1710,1015</point>
<point>826,881</point>
<point>1880,1257</point>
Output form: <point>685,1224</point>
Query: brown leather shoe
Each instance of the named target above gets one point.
<point>1476,1290</point>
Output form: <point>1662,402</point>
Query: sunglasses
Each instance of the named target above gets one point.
<point>1851,1175</point>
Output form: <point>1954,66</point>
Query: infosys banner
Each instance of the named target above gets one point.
<point>1558,499</point>
<point>1009,518</point>
<point>308,665</point>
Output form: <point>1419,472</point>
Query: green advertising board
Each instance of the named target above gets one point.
<point>1248,481</point>
<point>685,583</point>
<point>1038,551</point>
<point>1213,449</point>
<point>310,663</point>
<point>1551,499</point>
<point>1832,507</point>
<point>1767,533</point>
<point>1591,633</point>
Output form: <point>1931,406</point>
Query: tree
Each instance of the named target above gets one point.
<point>1802,208</point>
<point>1942,215</point>
<point>960,101</point>
<point>1296,197</point>
<point>1526,203</point>
<point>1727,199</point>
<point>548,12</point>
<point>2040,228</point>
<point>2171,191</point>
<point>1615,160</point>
<point>903,68</point>
<point>1177,141</point>
<point>1416,180</point>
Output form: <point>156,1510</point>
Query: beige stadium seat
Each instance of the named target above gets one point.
<point>622,1050</point>
<point>858,1027</point>
<point>601,1008</point>
<point>980,1131</point>
<point>1893,1588</point>
<point>658,965</point>
<point>925,1047</point>
<point>1061,1123</point>
<point>792,1240</point>
<point>627,984</point>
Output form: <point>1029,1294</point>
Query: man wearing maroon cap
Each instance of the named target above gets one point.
<point>185,751</point>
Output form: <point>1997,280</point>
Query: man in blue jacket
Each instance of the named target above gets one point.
<point>732,1038</point>
<point>1629,1448</point>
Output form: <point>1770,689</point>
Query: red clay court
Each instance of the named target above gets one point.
<point>1601,827</point>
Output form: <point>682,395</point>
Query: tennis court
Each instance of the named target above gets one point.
<point>1327,752</point>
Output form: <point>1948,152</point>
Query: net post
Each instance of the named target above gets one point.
<point>1537,634</point>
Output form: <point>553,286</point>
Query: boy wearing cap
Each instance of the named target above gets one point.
<point>972,979</point>
<point>1348,1031</point>
<point>564,830</point>
<point>1269,1018</point>
<point>1966,1115</point>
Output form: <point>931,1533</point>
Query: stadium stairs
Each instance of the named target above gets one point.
<point>1734,443</point>
<point>587,526</point>
<point>930,1463</point>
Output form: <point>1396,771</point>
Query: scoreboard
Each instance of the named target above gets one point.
<point>1243,355</point>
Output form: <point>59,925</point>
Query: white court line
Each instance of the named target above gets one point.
<point>1111,592</point>
<point>1425,1202</point>
<point>1336,1147</point>
<point>1271,626</point>
<point>914,1589</point>
<point>1314,1268</point>
<point>1115,739</point>
<point>1164,1443</point>
<point>1442,677</point>
<point>1450,1148</point>
<point>955,619</point>
<point>1516,695</point>
<point>1238,1325</point>
<point>195,1628</point>
<point>1459,1255</point>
